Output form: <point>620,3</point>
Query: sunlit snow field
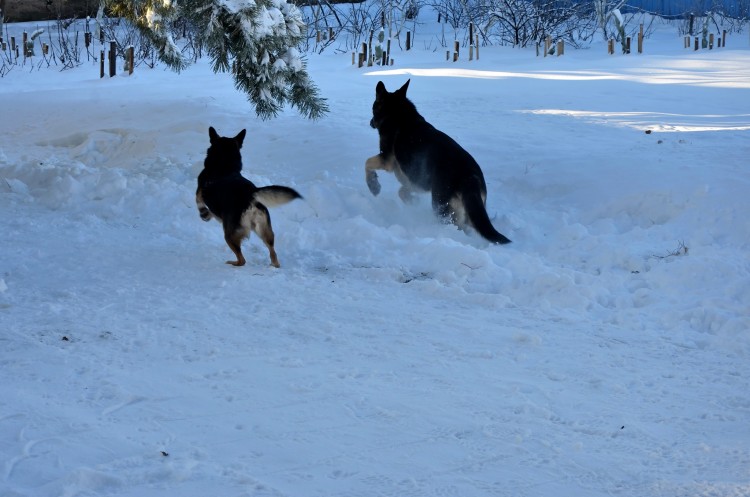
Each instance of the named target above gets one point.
<point>606,351</point>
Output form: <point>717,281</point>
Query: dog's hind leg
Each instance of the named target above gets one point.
<point>442,205</point>
<point>265,233</point>
<point>260,223</point>
<point>234,239</point>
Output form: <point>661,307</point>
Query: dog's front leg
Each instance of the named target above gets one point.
<point>371,176</point>
<point>202,208</point>
<point>406,194</point>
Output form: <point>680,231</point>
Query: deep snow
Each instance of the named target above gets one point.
<point>604,352</point>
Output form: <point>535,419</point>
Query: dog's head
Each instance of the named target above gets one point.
<point>389,104</point>
<point>224,153</point>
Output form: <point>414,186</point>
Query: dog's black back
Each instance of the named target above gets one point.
<point>424,158</point>
<point>225,191</point>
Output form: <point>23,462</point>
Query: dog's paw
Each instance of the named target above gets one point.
<point>372,182</point>
<point>406,195</point>
<point>205,214</point>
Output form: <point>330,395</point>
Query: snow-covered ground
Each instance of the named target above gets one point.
<point>605,352</point>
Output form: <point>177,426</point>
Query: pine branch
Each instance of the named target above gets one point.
<point>256,40</point>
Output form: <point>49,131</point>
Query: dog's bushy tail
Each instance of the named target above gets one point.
<point>274,195</point>
<point>477,214</point>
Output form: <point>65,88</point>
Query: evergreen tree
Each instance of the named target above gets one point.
<point>256,40</point>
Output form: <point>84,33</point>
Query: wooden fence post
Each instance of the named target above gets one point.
<point>627,45</point>
<point>476,44</point>
<point>456,46</point>
<point>696,43</point>
<point>560,48</point>
<point>640,40</point>
<point>101,65</point>
<point>131,59</point>
<point>408,41</point>
<point>112,59</point>
<point>711,41</point>
<point>611,46</point>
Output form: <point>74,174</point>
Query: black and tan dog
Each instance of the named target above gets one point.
<point>424,158</point>
<point>234,200</point>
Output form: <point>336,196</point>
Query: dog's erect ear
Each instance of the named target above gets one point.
<point>380,89</point>
<point>213,134</point>
<point>240,138</point>
<point>402,91</point>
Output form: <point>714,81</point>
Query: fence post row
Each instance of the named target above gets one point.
<point>720,40</point>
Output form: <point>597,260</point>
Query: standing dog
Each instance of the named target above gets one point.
<point>234,200</point>
<point>424,158</point>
